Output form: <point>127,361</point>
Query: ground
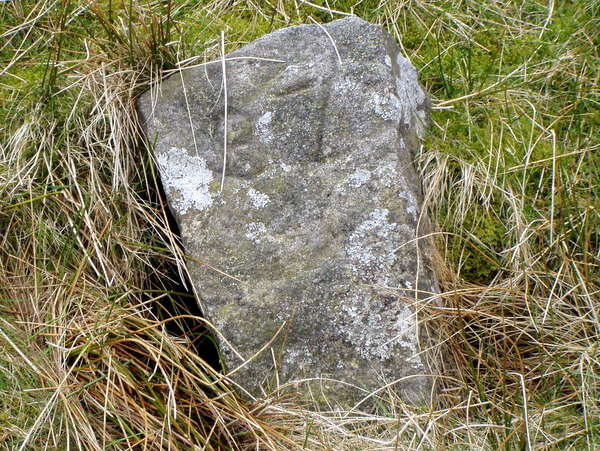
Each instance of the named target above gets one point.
<point>510,169</point>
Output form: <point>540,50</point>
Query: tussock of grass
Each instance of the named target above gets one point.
<point>511,176</point>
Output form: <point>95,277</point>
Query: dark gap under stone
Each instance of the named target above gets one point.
<point>180,299</point>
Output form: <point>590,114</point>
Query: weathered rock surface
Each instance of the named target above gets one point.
<point>316,222</point>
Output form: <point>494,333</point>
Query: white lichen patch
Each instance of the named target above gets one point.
<point>409,83</point>
<point>298,356</point>
<point>411,203</point>
<point>387,60</point>
<point>409,90</point>
<point>421,123</point>
<point>285,167</point>
<point>370,247</point>
<point>257,199</point>
<point>365,314</point>
<point>186,179</point>
<point>263,128</point>
<point>387,174</point>
<point>344,87</point>
<point>387,107</point>
<point>359,178</point>
<point>406,335</point>
<point>255,231</point>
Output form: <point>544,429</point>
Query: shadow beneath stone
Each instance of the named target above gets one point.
<point>179,301</point>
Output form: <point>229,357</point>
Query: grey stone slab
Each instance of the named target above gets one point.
<point>313,233</point>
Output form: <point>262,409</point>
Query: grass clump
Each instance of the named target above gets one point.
<point>21,398</point>
<point>511,172</point>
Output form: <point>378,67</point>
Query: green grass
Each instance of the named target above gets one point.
<point>511,172</point>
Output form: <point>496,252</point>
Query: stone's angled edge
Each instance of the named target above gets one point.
<point>315,227</point>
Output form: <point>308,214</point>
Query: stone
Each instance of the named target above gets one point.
<point>305,254</point>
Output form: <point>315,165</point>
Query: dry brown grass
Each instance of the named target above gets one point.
<point>511,176</point>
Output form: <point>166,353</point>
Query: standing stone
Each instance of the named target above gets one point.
<point>313,232</point>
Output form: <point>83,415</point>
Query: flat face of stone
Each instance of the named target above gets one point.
<point>311,241</point>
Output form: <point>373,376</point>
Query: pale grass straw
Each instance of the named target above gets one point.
<point>330,38</point>
<point>224,75</point>
<point>17,349</point>
<point>189,114</point>
<point>525,409</point>
<point>552,194</point>
<point>560,337</point>
<point>326,9</point>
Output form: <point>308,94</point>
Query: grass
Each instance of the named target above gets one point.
<point>511,169</point>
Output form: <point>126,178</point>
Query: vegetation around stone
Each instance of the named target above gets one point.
<point>511,172</point>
